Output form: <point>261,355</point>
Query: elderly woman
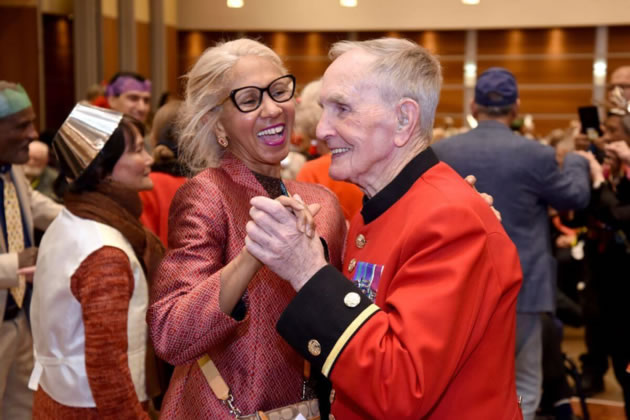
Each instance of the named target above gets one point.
<point>213,305</point>
<point>91,294</point>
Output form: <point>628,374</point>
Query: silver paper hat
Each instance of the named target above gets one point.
<point>83,135</point>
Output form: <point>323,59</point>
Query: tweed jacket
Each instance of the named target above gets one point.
<point>206,231</point>
<point>37,211</point>
<point>524,179</point>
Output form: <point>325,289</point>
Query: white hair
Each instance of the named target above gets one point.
<point>206,85</point>
<point>308,111</point>
<point>402,69</point>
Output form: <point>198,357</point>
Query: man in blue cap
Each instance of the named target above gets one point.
<point>524,179</point>
<point>21,209</point>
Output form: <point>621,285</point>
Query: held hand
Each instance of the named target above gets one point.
<point>595,168</point>
<point>304,213</point>
<point>273,237</point>
<point>28,273</point>
<point>620,149</point>
<point>472,180</point>
<point>28,257</point>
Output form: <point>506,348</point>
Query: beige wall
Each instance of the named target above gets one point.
<point>312,15</point>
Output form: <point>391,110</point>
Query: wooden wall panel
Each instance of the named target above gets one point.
<point>536,41</point>
<point>18,43</point>
<point>562,101</point>
<point>619,39</point>
<point>59,68</point>
<point>110,47</point>
<point>550,70</point>
<point>451,101</point>
<point>172,61</point>
<point>143,49</point>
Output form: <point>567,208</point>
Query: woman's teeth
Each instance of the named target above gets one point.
<point>271,131</point>
<point>339,150</point>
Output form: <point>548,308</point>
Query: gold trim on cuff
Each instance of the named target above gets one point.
<point>343,339</point>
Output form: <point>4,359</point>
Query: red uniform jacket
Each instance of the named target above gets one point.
<point>206,231</point>
<point>438,340</point>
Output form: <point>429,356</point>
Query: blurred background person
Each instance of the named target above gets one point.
<point>41,176</point>
<point>167,172</point>
<point>130,93</point>
<point>21,210</point>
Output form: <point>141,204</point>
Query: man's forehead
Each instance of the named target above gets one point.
<point>621,75</point>
<point>346,73</point>
<point>20,117</point>
<point>140,93</point>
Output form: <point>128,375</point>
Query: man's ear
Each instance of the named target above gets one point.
<point>408,121</point>
<point>473,110</point>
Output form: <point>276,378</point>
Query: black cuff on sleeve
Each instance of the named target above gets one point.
<point>321,313</point>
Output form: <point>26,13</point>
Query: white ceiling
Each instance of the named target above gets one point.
<point>327,15</point>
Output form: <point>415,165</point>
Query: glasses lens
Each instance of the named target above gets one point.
<point>247,99</point>
<point>282,89</point>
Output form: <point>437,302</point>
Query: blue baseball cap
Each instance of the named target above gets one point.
<point>496,87</point>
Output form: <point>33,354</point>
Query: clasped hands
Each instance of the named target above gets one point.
<point>281,234</point>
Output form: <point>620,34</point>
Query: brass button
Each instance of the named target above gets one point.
<point>331,399</point>
<point>331,417</point>
<point>314,347</point>
<point>352,299</point>
<point>351,265</point>
<point>360,241</point>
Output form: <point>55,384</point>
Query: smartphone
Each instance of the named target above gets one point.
<point>589,119</point>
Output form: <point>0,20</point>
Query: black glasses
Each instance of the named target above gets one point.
<point>249,98</point>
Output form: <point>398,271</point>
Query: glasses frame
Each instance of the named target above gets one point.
<point>262,91</point>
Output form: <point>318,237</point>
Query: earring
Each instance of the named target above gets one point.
<point>223,142</point>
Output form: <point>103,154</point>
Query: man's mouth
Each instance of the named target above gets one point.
<point>272,136</point>
<point>339,150</point>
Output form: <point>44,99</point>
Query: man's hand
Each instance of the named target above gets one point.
<point>596,170</point>
<point>620,149</point>
<point>28,257</point>
<point>472,180</point>
<point>274,238</point>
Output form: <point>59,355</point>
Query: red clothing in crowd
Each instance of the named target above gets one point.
<point>349,195</point>
<point>157,201</point>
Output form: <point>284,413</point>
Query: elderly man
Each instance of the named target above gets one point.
<point>425,328</point>
<point>621,78</point>
<point>22,209</point>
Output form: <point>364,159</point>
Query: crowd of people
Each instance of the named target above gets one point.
<point>243,253</point>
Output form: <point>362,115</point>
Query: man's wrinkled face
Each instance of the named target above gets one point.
<point>356,124</point>
<point>132,102</point>
<point>17,131</point>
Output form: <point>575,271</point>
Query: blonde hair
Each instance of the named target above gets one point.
<point>308,112</point>
<point>206,85</point>
<point>402,69</point>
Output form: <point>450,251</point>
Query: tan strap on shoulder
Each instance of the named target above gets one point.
<point>216,382</point>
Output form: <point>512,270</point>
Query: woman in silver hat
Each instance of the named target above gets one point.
<point>91,291</point>
<point>211,299</point>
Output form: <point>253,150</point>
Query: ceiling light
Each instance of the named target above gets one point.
<point>348,3</point>
<point>235,4</point>
<point>470,1</point>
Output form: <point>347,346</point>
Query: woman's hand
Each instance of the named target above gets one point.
<point>472,180</point>
<point>305,214</point>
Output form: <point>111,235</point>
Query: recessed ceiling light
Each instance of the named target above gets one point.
<point>348,3</point>
<point>235,4</point>
<point>470,1</point>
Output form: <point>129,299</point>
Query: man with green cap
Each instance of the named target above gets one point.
<point>21,209</point>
